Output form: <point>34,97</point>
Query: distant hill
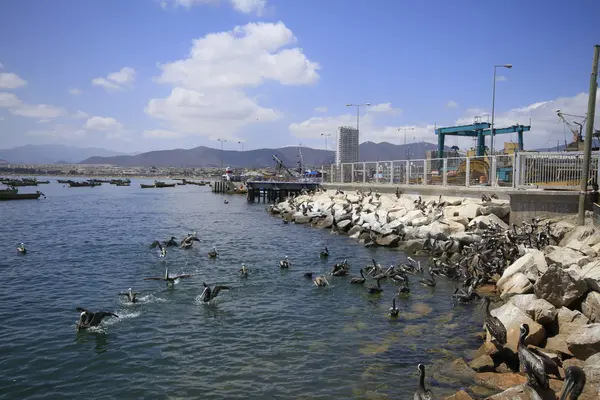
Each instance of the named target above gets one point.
<point>209,157</point>
<point>52,153</point>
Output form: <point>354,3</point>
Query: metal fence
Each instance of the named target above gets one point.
<point>522,170</point>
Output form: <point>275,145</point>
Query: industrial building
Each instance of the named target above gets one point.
<point>347,145</point>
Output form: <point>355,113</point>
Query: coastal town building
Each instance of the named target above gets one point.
<point>347,145</point>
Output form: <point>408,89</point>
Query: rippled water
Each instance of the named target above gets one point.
<point>274,335</point>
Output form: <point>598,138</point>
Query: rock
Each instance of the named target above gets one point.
<point>512,318</point>
<point>499,381</point>
<point>560,229</point>
<point>486,349</point>
<point>344,225</point>
<point>411,215</point>
<point>558,287</point>
<point>394,224</point>
<point>500,210</point>
<point>582,247</point>
<point>460,395</point>
<point>469,210</point>
<point>591,306</point>
<point>558,344</point>
<point>301,219</point>
<point>464,221</point>
<point>579,233</point>
<point>326,222</point>
<point>412,246</point>
<point>527,265</point>
<point>565,257</point>
<point>485,221</point>
<point>419,221</point>
<point>591,274</point>
<point>466,238</point>
<point>575,362</point>
<point>388,241</point>
<point>352,198</point>
<point>542,311</point>
<point>516,284</point>
<point>585,341</point>
<point>483,363</point>
<point>519,392</point>
<point>523,301</point>
<point>591,367</point>
<point>570,321</point>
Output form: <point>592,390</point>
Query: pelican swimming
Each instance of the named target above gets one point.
<point>494,326</point>
<point>87,319</point>
<point>189,240</point>
<point>325,253</point>
<point>209,294</point>
<point>531,363</point>
<point>163,250</point>
<point>422,393</point>
<point>574,383</point>
<point>375,289</point>
<point>358,280</point>
<point>131,296</point>
<point>226,201</point>
<point>21,249</point>
<point>321,281</point>
<point>284,263</point>
<point>170,280</point>
<point>393,310</point>
<point>213,253</point>
<point>427,281</point>
<point>243,271</point>
<point>308,275</point>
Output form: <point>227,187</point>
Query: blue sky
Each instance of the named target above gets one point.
<point>142,75</point>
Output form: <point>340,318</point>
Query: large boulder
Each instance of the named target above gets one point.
<point>460,395</point>
<point>440,229</point>
<point>522,301</point>
<point>527,265</point>
<point>354,230</point>
<point>325,223</point>
<point>579,233</point>
<point>486,221</point>
<point>512,318</point>
<point>412,246</point>
<point>302,219</point>
<point>558,287</point>
<point>352,198</point>
<point>582,247</point>
<point>565,257</point>
<point>411,215</point>
<point>591,306</point>
<point>388,241</point>
<point>344,225</point>
<point>394,224</point>
<point>590,273</point>
<point>467,209</point>
<point>560,229</point>
<point>558,344</point>
<point>464,221</point>
<point>483,363</point>
<point>500,210</point>
<point>542,311</point>
<point>570,321</point>
<point>591,367</point>
<point>517,284</point>
<point>585,341</point>
<point>419,221</point>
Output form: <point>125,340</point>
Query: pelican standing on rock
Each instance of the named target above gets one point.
<point>494,326</point>
<point>393,310</point>
<point>131,296</point>
<point>422,393</point>
<point>21,249</point>
<point>209,294</point>
<point>170,280</point>
<point>88,319</point>
<point>531,363</point>
<point>574,383</point>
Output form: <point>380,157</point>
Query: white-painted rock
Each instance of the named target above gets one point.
<point>527,265</point>
<point>570,321</point>
<point>542,312</point>
<point>469,210</point>
<point>591,306</point>
<point>485,221</point>
<point>558,287</point>
<point>516,284</point>
<point>500,210</point>
<point>512,318</point>
<point>565,257</point>
<point>585,341</point>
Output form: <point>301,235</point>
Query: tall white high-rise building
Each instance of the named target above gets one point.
<point>347,145</point>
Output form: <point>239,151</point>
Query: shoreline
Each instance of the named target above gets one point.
<point>552,286</point>
<point>113,177</point>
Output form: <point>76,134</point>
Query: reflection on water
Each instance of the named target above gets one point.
<point>274,335</point>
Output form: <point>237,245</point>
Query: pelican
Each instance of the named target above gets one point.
<point>213,253</point>
<point>226,201</point>
<point>325,253</point>
<point>422,393</point>
<point>358,280</point>
<point>494,326</point>
<point>189,240</point>
<point>393,310</point>
<point>403,290</point>
<point>428,282</point>
<point>131,296</point>
<point>308,275</point>
<point>21,249</point>
<point>531,363</point>
<point>321,281</point>
<point>163,250</point>
<point>375,289</point>
<point>209,294</point>
<point>243,271</point>
<point>87,319</point>
<point>574,383</point>
<point>284,263</point>
<point>170,280</point>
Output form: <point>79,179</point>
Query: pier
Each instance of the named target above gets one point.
<point>276,191</point>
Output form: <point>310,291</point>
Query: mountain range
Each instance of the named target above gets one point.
<point>52,154</point>
<point>209,157</point>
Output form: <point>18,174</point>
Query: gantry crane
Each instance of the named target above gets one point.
<point>577,143</point>
<point>281,166</point>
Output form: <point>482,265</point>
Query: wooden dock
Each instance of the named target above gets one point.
<point>276,191</point>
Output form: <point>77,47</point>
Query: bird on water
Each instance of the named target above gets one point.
<point>393,310</point>
<point>284,263</point>
<point>131,295</point>
<point>163,250</point>
<point>243,271</point>
<point>209,294</point>
<point>21,249</point>
<point>358,280</point>
<point>88,319</point>
<point>170,280</point>
<point>422,393</point>
<point>188,241</point>
<point>325,253</point>
<point>213,253</point>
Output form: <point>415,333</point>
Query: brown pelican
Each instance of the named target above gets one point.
<point>308,275</point>
<point>358,280</point>
<point>209,294</point>
<point>393,310</point>
<point>284,263</point>
<point>163,250</point>
<point>226,201</point>
<point>422,393</point>
<point>325,253</point>
<point>375,289</point>
<point>574,383</point>
<point>21,249</point>
<point>531,363</point>
<point>321,281</point>
<point>87,319</point>
<point>494,326</point>
<point>189,240</point>
<point>243,271</point>
<point>428,282</point>
<point>170,280</point>
<point>213,253</point>
<point>131,296</point>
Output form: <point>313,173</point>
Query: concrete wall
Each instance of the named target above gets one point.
<point>528,204</point>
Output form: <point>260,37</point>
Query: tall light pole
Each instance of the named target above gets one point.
<point>494,103</point>
<point>326,136</point>
<point>358,106</point>
<point>407,155</point>
<point>242,143</point>
<point>222,141</point>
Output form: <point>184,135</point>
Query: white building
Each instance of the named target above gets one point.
<point>347,145</point>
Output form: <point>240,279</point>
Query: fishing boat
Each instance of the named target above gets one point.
<point>123,183</point>
<point>160,184</point>
<point>83,184</point>
<point>63,181</point>
<point>43,182</point>
<point>13,194</point>
<point>146,186</point>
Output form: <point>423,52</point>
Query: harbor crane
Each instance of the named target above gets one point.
<point>575,130</point>
<point>281,166</point>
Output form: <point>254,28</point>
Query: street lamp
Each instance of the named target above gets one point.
<point>407,155</point>
<point>358,106</point>
<point>326,136</point>
<point>222,141</point>
<point>242,143</point>
<point>494,102</point>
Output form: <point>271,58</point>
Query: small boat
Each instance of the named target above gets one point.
<point>64,181</point>
<point>181,183</point>
<point>13,194</point>
<point>122,184</point>
<point>160,184</point>
<point>43,182</point>
<point>83,184</point>
<point>146,186</point>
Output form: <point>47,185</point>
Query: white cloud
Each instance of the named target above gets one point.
<point>1,65</point>
<point>58,131</point>
<point>384,108</point>
<point>321,109</point>
<point>116,80</point>
<point>38,111</point>
<point>500,78</point>
<point>80,115</point>
<point>102,124</point>
<point>9,100</point>
<point>161,134</point>
<point>244,6</point>
<point>451,104</point>
<point>43,121</point>
<point>8,80</point>
<point>209,98</point>
<point>75,91</point>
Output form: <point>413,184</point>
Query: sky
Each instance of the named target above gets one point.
<point>141,75</point>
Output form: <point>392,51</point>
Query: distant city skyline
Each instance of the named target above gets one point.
<point>346,149</point>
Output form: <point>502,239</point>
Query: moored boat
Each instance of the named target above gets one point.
<point>160,184</point>
<point>13,194</point>
<point>83,184</point>
<point>146,186</point>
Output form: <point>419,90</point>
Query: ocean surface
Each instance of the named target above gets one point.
<point>274,335</point>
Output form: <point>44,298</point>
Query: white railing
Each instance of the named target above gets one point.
<point>522,170</point>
